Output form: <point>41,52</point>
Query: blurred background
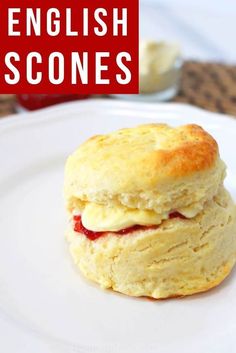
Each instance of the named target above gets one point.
<point>205,32</point>
<point>205,28</point>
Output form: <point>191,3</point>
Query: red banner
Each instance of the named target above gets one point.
<point>69,46</point>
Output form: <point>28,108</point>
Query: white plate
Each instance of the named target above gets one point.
<point>45,305</point>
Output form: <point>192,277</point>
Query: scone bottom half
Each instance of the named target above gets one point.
<point>149,214</point>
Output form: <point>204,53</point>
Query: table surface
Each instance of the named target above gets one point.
<point>207,85</point>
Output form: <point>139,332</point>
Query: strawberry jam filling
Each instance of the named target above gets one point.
<point>78,227</point>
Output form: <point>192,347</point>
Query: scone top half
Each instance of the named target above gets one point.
<point>142,176</point>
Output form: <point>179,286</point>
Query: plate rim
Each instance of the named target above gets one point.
<point>16,119</point>
<point>50,113</point>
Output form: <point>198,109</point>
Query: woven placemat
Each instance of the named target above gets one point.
<point>210,86</point>
<point>7,104</point>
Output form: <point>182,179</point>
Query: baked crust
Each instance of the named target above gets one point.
<point>135,167</point>
<point>164,169</point>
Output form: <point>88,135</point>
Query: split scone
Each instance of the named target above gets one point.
<point>149,215</point>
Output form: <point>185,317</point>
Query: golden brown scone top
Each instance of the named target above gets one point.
<point>141,157</point>
<point>135,166</point>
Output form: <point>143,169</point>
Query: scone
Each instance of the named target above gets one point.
<point>149,215</point>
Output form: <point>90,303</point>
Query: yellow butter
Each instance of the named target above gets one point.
<point>157,65</point>
<point>100,218</point>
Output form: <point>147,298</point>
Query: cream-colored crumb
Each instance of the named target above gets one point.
<point>181,257</point>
